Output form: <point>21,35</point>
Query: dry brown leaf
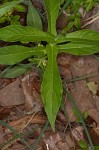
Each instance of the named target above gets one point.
<point>91,20</point>
<point>12,94</point>
<point>61,22</point>
<point>78,133</point>
<point>18,124</point>
<point>2,136</point>
<point>4,112</point>
<point>57,142</point>
<point>78,67</point>
<point>93,87</point>
<point>31,89</point>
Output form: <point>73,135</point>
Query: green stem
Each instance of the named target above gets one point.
<point>80,116</point>
<point>40,136</point>
<point>81,78</point>
<point>65,6</point>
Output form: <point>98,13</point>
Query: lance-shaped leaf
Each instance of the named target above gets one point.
<point>84,36</point>
<point>52,7</point>
<point>14,54</point>
<point>14,72</point>
<point>8,6</point>
<point>51,89</point>
<point>79,48</point>
<point>33,17</point>
<point>24,34</point>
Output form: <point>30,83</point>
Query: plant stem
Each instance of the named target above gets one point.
<point>80,116</point>
<point>65,6</point>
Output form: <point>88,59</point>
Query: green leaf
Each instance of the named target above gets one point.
<point>77,23</point>
<point>8,6</point>
<point>15,71</point>
<point>83,144</point>
<point>24,34</point>
<point>89,6</point>
<point>14,54</point>
<point>86,36</point>
<point>52,86</point>
<point>14,22</point>
<point>79,48</point>
<point>85,114</point>
<point>20,8</point>
<point>52,7</point>
<point>16,17</point>
<point>96,147</point>
<point>33,17</point>
<point>2,19</point>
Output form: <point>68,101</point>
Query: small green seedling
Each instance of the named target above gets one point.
<point>83,145</point>
<point>74,10</point>
<point>7,12</point>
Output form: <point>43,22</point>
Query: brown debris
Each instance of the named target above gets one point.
<point>91,19</point>
<point>12,94</point>
<point>73,67</point>
<point>61,22</point>
<point>4,112</point>
<point>31,89</point>
<point>54,141</point>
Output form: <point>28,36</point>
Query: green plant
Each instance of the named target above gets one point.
<point>84,42</point>
<point>8,10</point>
<point>73,10</point>
<point>17,136</point>
<point>83,144</point>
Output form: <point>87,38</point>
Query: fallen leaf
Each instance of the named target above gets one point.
<point>74,67</point>
<point>93,87</point>
<point>31,89</point>
<point>12,94</point>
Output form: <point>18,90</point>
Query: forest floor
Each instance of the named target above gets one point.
<point>28,128</point>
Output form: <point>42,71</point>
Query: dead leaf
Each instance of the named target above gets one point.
<point>18,124</point>
<point>78,133</point>
<point>80,66</point>
<point>61,22</point>
<point>93,87</point>
<point>91,20</point>
<point>4,112</point>
<point>57,142</point>
<point>12,94</point>
<point>31,89</point>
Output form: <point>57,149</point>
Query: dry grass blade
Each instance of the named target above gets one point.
<point>90,20</point>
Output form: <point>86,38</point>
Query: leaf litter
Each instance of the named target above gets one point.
<point>86,97</point>
<point>21,106</point>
